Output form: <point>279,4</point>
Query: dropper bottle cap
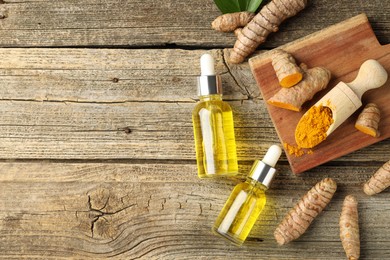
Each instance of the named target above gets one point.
<point>263,171</point>
<point>208,82</point>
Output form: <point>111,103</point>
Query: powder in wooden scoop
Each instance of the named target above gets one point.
<point>312,127</point>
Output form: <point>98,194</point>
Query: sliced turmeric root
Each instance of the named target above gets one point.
<point>315,79</point>
<point>287,71</point>
<point>368,120</point>
<point>284,105</point>
<point>290,80</point>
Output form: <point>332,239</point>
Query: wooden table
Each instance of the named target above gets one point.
<point>97,153</point>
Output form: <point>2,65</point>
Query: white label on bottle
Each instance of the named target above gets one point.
<point>207,135</point>
<point>232,213</point>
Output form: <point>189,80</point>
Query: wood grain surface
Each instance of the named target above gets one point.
<point>144,210</point>
<point>96,148</point>
<point>340,48</point>
<point>152,24</point>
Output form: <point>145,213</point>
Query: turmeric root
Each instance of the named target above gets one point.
<point>379,181</point>
<point>349,228</point>
<point>265,22</point>
<point>315,79</point>
<point>368,120</point>
<point>300,217</point>
<point>231,21</point>
<point>287,71</point>
<point>237,31</point>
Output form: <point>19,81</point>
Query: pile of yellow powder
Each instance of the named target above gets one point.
<point>311,130</point>
<point>296,150</point>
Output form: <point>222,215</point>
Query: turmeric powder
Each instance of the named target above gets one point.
<point>266,21</point>
<point>299,218</point>
<point>296,150</point>
<point>231,21</point>
<point>312,127</point>
<point>379,181</point>
<point>315,79</point>
<point>349,228</point>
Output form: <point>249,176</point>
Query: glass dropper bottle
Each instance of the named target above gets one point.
<point>247,200</point>
<point>213,126</point>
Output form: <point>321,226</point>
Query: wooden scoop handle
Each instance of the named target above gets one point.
<point>371,75</point>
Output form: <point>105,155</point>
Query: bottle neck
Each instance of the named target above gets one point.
<point>209,85</point>
<point>211,97</point>
<point>262,173</point>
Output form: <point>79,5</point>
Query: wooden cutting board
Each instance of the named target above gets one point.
<point>341,48</point>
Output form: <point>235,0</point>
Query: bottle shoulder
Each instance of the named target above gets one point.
<point>212,104</point>
<point>252,187</point>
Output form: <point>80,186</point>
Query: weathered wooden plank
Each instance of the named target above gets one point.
<point>106,75</point>
<point>164,211</point>
<point>130,130</point>
<point>133,130</point>
<point>151,23</point>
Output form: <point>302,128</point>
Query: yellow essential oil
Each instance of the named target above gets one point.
<point>213,126</point>
<point>241,211</point>
<point>247,200</point>
<point>214,137</point>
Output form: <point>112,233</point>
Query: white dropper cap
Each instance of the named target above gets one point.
<point>263,171</point>
<point>208,82</point>
<point>207,65</point>
<point>272,155</point>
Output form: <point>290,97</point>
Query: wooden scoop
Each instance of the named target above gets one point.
<point>345,98</point>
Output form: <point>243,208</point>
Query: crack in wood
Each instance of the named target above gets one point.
<point>95,218</point>
<point>97,214</point>
<point>163,204</point>
<point>247,93</point>
<point>148,204</point>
